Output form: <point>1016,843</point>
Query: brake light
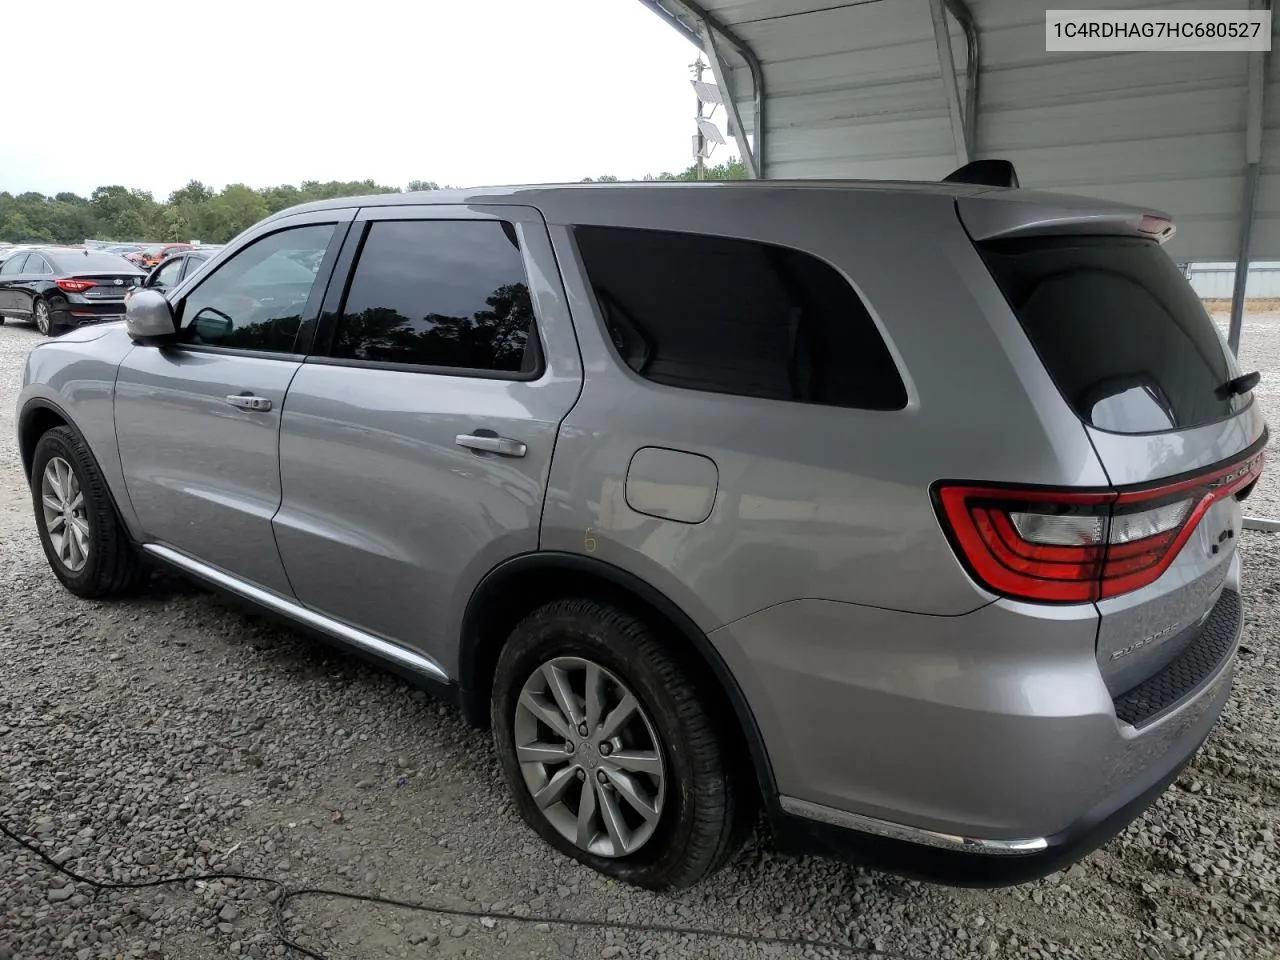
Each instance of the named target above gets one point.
<point>75,286</point>
<point>1159,227</point>
<point>1075,546</point>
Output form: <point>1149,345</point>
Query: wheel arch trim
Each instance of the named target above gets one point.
<point>29,410</point>
<point>474,694</point>
<point>26,452</point>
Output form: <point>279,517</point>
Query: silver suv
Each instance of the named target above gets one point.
<point>905,513</point>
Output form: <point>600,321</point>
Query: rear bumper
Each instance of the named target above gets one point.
<point>78,314</point>
<point>977,750</point>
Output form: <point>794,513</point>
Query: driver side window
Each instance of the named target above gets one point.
<point>255,300</point>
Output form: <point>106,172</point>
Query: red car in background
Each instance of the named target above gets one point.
<point>152,254</point>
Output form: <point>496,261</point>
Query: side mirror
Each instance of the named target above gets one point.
<point>211,326</point>
<point>148,317</point>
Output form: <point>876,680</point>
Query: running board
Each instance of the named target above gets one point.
<point>342,632</point>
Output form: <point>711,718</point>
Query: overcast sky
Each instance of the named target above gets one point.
<point>463,92</point>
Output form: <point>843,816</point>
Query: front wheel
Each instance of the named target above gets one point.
<point>610,751</point>
<point>83,539</point>
<point>43,317</point>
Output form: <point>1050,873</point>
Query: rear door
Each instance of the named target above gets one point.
<point>9,272</point>
<point>36,274</point>
<point>416,443</point>
<point>1134,354</point>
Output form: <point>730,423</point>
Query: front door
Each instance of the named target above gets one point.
<point>417,440</point>
<point>198,422</point>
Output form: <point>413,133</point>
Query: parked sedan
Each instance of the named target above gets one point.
<point>57,288</point>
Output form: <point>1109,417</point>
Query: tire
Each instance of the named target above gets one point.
<point>699,801</point>
<point>108,565</point>
<point>43,317</point>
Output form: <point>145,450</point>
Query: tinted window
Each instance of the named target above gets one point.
<point>194,263</point>
<point>255,300</point>
<point>13,265</point>
<point>37,265</point>
<point>1119,329</point>
<point>92,261</point>
<point>736,316</point>
<point>439,293</point>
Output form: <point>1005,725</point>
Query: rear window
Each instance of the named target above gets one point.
<point>1119,329</point>
<point>78,262</point>
<point>724,315</point>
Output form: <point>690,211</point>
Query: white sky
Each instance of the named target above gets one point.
<point>463,92</point>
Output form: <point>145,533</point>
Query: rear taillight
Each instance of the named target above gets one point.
<point>1074,546</point>
<point>75,286</point>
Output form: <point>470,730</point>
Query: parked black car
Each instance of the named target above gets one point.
<point>61,287</point>
<point>178,267</point>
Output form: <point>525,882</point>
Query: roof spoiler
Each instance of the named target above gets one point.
<point>985,173</point>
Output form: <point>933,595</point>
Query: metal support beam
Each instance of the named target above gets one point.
<point>730,101</point>
<point>1253,164</point>
<point>973,62</point>
<point>666,10</point>
<point>950,84</point>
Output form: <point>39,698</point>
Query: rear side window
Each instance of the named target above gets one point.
<point>440,293</point>
<point>37,265</point>
<point>1119,329</point>
<point>736,316</point>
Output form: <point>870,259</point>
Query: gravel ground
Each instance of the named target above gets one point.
<point>172,734</point>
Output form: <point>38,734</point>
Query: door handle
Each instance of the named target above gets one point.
<point>492,444</point>
<point>247,401</point>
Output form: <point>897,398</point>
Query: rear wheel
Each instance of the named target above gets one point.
<point>83,539</point>
<point>609,750</point>
<point>43,317</point>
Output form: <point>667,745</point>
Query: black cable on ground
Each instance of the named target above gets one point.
<point>287,894</point>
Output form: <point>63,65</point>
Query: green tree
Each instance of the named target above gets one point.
<point>198,212</point>
<point>234,210</point>
<point>16,228</point>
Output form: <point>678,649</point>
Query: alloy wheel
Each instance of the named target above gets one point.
<point>62,501</point>
<point>590,756</point>
<point>42,317</point>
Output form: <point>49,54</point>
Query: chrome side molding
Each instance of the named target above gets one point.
<point>898,831</point>
<point>295,611</point>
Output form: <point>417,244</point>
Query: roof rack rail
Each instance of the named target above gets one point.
<point>987,173</point>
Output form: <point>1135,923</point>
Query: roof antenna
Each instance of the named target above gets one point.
<point>986,173</point>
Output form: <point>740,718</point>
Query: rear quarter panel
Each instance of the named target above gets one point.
<point>814,501</point>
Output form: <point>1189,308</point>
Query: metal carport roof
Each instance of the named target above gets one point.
<point>913,89</point>
<point>862,89</point>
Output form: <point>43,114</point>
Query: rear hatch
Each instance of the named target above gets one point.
<point>1130,348</point>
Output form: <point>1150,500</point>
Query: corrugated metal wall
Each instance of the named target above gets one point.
<point>1214,281</point>
<point>855,90</point>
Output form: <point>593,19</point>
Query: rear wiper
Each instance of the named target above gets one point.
<point>1241,384</point>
